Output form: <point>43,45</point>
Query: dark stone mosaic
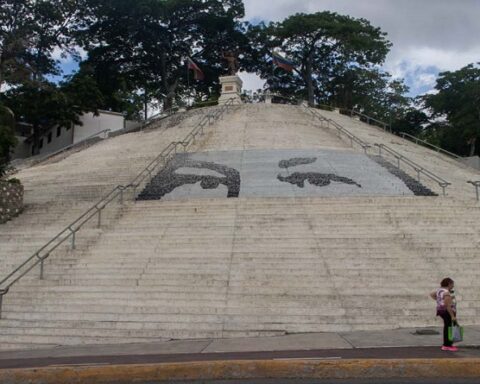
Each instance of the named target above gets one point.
<point>417,188</point>
<point>296,161</point>
<point>314,178</point>
<point>167,180</point>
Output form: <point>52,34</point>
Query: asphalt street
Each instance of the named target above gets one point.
<point>332,354</point>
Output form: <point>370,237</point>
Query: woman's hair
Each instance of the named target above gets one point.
<point>446,282</point>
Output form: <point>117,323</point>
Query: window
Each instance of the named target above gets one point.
<point>59,131</point>
<point>40,144</point>
<point>50,137</point>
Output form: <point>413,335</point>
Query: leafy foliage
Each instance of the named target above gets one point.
<point>458,101</point>
<point>329,50</point>
<point>143,45</point>
<point>7,137</point>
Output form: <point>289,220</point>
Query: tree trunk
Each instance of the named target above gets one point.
<point>311,98</point>
<point>473,143</point>
<point>145,105</point>
<point>36,139</point>
<point>172,89</point>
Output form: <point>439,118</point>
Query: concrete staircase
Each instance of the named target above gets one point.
<point>442,165</point>
<point>249,267</point>
<point>231,267</point>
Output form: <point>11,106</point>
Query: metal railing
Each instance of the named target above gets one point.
<point>340,129</point>
<point>418,168</point>
<point>117,193</point>
<point>416,140</point>
<point>476,184</point>
<point>369,120</point>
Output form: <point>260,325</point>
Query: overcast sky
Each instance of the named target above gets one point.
<point>428,36</point>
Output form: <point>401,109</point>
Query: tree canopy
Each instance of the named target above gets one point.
<point>330,51</point>
<point>458,101</point>
<point>133,55</point>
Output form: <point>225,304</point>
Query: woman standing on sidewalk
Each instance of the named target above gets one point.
<point>446,309</point>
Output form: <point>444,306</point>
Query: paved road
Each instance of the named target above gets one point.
<point>331,354</point>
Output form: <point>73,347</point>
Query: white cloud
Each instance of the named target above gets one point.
<point>428,36</point>
<point>251,81</point>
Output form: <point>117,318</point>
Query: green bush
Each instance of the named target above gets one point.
<point>203,104</point>
<point>345,111</point>
<point>7,137</point>
<point>13,180</point>
<point>325,107</point>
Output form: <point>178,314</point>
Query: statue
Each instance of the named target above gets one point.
<point>232,59</point>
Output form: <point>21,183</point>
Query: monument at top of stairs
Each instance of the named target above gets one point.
<point>231,84</point>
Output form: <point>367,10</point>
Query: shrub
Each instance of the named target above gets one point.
<point>13,180</point>
<point>325,107</point>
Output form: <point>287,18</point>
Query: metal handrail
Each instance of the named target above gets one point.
<point>39,256</point>
<point>476,184</point>
<point>418,168</point>
<point>341,129</point>
<point>369,119</point>
<point>438,149</point>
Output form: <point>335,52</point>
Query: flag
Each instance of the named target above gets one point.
<point>282,62</point>
<point>197,72</point>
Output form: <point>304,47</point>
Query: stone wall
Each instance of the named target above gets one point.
<point>11,200</point>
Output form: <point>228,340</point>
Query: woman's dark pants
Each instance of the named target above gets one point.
<point>447,322</point>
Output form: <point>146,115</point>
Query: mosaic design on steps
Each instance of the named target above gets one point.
<point>415,186</point>
<point>167,180</point>
<point>314,178</point>
<point>274,173</point>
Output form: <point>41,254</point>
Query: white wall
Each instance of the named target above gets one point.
<point>91,125</point>
<point>94,124</point>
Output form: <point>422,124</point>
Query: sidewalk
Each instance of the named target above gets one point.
<point>381,353</point>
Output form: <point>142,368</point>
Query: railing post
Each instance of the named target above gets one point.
<point>398,162</point>
<point>443,189</point>
<point>73,238</point>
<point>476,191</point>
<point>121,196</point>
<point>41,269</point>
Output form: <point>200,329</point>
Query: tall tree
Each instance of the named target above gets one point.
<point>16,24</point>
<point>33,32</point>
<point>7,137</point>
<point>325,45</point>
<point>45,105</point>
<point>458,100</point>
<point>146,42</point>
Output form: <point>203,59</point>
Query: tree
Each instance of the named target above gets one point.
<point>326,47</point>
<point>30,32</point>
<point>145,43</point>
<point>7,137</point>
<point>45,105</point>
<point>412,122</point>
<point>458,100</point>
<point>15,35</point>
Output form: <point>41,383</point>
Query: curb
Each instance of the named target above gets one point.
<point>241,369</point>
